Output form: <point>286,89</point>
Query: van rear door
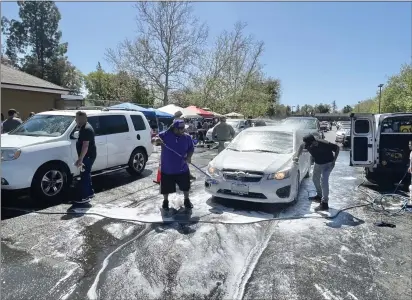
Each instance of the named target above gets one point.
<point>363,146</point>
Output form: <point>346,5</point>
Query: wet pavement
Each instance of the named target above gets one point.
<point>122,248</point>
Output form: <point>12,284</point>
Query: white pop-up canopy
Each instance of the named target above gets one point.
<point>234,115</point>
<point>171,109</point>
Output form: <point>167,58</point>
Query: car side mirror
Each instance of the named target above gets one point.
<point>226,144</point>
<point>75,135</point>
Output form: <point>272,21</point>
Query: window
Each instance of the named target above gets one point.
<point>138,122</point>
<point>113,124</point>
<point>401,124</point>
<point>362,126</point>
<point>44,125</point>
<point>95,123</point>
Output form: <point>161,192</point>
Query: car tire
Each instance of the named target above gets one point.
<point>297,194</point>
<point>137,162</point>
<point>50,182</point>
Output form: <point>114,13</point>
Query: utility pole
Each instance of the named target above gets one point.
<point>380,96</point>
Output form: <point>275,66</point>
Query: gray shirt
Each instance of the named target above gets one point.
<point>11,124</point>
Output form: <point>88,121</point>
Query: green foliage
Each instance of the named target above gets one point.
<point>396,95</point>
<point>33,44</point>
<point>322,108</point>
<point>116,87</point>
<point>347,109</point>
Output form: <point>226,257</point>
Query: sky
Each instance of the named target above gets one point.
<point>321,52</point>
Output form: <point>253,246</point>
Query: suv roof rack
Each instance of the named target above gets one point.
<point>120,108</point>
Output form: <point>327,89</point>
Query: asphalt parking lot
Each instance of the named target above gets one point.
<point>122,248</point>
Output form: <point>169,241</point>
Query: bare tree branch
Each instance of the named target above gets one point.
<point>168,45</point>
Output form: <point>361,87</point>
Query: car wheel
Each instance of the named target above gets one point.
<point>137,162</point>
<point>50,182</point>
<point>297,184</point>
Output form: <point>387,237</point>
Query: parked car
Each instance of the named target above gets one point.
<point>325,126</point>
<point>379,143</point>
<point>237,124</point>
<point>42,150</point>
<point>258,166</point>
<point>343,136</point>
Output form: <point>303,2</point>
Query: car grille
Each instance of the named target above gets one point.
<point>242,176</point>
<point>249,195</point>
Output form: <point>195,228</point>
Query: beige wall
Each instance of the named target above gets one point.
<point>26,101</point>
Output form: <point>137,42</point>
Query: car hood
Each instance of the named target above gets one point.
<point>251,161</point>
<point>19,141</point>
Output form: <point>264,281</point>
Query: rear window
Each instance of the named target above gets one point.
<point>138,122</point>
<point>402,124</point>
<point>113,124</point>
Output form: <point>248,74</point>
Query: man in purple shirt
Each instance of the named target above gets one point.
<point>177,151</point>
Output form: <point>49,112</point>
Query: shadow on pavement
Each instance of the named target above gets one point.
<point>22,200</point>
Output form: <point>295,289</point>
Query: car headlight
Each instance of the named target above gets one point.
<point>10,154</point>
<point>214,172</point>
<point>280,175</point>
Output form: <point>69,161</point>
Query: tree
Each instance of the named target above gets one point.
<point>167,46</point>
<point>230,76</point>
<point>115,87</point>
<point>347,109</point>
<point>334,106</point>
<point>307,110</point>
<point>298,109</point>
<point>33,44</point>
<point>322,108</point>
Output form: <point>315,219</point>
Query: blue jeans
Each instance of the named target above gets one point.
<point>321,180</point>
<point>86,189</point>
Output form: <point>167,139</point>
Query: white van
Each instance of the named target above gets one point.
<point>40,153</point>
<point>379,143</point>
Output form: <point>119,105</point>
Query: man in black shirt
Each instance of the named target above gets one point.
<point>325,155</point>
<point>86,150</point>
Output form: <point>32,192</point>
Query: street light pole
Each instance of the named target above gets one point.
<point>380,96</point>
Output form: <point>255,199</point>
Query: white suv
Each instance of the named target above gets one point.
<point>40,153</point>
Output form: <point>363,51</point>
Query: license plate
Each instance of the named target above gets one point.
<point>239,188</point>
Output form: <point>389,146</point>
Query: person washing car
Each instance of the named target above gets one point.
<point>223,133</point>
<point>86,150</point>
<point>175,169</point>
<point>325,154</point>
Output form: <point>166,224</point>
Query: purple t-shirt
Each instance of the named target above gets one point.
<point>170,162</point>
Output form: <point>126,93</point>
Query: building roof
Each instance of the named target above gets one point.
<point>15,79</point>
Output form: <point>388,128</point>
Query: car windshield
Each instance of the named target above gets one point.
<point>301,123</point>
<point>44,125</point>
<point>263,141</point>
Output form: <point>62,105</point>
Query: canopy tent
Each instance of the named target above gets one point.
<point>130,106</point>
<point>190,114</point>
<point>198,111</point>
<point>162,115</point>
<point>212,112</point>
<point>170,109</point>
<point>234,115</point>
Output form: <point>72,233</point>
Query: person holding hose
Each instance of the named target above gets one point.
<point>325,154</point>
<point>177,151</point>
<point>223,132</point>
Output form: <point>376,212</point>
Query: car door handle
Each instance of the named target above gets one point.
<point>369,145</point>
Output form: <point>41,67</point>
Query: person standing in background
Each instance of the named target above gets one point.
<point>12,121</point>
<point>223,132</point>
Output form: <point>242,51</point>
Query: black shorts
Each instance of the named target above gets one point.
<point>168,183</point>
